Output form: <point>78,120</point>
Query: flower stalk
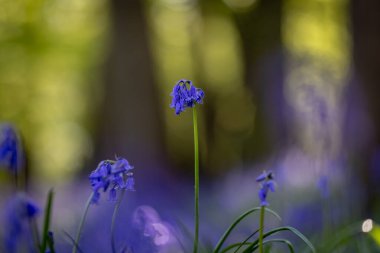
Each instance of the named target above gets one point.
<point>115,211</point>
<point>261,229</point>
<point>196,181</point>
<point>186,95</point>
<point>79,232</point>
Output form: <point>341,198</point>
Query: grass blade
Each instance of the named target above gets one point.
<point>236,222</point>
<point>239,244</point>
<point>45,235</point>
<point>288,243</point>
<point>246,240</point>
<point>279,229</point>
<point>235,245</point>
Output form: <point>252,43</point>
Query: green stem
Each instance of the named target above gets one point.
<point>51,245</point>
<point>88,203</point>
<point>261,232</point>
<point>45,232</point>
<point>196,181</point>
<point>115,211</point>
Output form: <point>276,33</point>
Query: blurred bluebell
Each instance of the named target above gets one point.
<point>323,186</point>
<point>151,233</point>
<point>185,94</point>
<point>19,211</point>
<point>130,184</point>
<point>266,180</point>
<point>10,148</point>
<point>111,175</point>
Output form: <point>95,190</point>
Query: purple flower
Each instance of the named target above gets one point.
<point>112,175</point>
<point>266,183</point>
<point>323,186</point>
<point>10,148</point>
<point>18,212</point>
<point>185,94</point>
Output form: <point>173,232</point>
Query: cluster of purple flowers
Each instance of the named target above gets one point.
<point>10,148</point>
<point>266,183</point>
<point>185,94</point>
<point>111,175</point>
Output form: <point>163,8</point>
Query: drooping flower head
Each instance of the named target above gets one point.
<point>18,212</point>
<point>185,94</point>
<point>266,180</point>
<point>10,148</point>
<point>111,175</point>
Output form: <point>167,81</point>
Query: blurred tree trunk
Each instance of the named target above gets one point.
<point>130,124</point>
<point>261,37</point>
<point>366,56</point>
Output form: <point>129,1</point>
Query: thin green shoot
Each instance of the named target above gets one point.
<point>236,222</point>
<point>45,232</point>
<point>196,182</point>
<point>79,232</point>
<point>115,211</point>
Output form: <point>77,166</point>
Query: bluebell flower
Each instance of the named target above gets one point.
<point>185,95</point>
<point>111,175</point>
<point>18,213</point>
<point>10,148</point>
<point>266,180</point>
<point>323,186</point>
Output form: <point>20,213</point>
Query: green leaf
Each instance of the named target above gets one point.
<point>279,229</point>
<point>246,240</point>
<point>288,243</point>
<point>235,245</point>
<point>236,222</point>
<point>45,235</point>
<point>239,244</point>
